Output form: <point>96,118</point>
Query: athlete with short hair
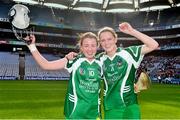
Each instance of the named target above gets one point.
<point>82,98</point>
<point>119,68</point>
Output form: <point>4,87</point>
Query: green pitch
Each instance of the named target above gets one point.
<point>45,100</point>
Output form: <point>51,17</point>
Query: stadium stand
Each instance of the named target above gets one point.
<point>162,69</point>
<point>10,68</point>
<point>34,72</point>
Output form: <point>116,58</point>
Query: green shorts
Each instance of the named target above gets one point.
<point>129,112</point>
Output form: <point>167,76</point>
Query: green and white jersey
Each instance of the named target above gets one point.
<point>119,76</point>
<point>82,98</point>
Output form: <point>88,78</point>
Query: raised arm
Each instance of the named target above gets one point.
<point>149,43</point>
<point>44,63</point>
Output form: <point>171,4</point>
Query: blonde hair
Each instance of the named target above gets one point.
<point>107,29</point>
<point>87,35</point>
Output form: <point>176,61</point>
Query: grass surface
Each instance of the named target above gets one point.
<point>161,101</point>
<point>45,100</point>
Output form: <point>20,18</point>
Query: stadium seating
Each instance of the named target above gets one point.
<point>10,68</point>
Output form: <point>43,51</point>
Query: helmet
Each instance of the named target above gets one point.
<point>19,16</point>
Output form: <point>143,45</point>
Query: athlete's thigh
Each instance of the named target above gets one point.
<point>114,113</point>
<point>132,112</point>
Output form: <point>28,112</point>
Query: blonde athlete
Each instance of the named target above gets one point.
<point>119,68</point>
<point>82,98</point>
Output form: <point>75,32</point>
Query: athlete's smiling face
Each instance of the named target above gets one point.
<point>108,41</point>
<point>89,48</point>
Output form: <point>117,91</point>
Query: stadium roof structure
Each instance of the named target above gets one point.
<point>114,6</point>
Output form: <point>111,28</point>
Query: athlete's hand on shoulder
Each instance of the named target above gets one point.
<point>71,55</point>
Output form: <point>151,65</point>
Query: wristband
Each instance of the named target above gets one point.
<point>32,47</point>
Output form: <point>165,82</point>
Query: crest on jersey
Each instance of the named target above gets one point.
<point>81,71</point>
<point>119,63</point>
